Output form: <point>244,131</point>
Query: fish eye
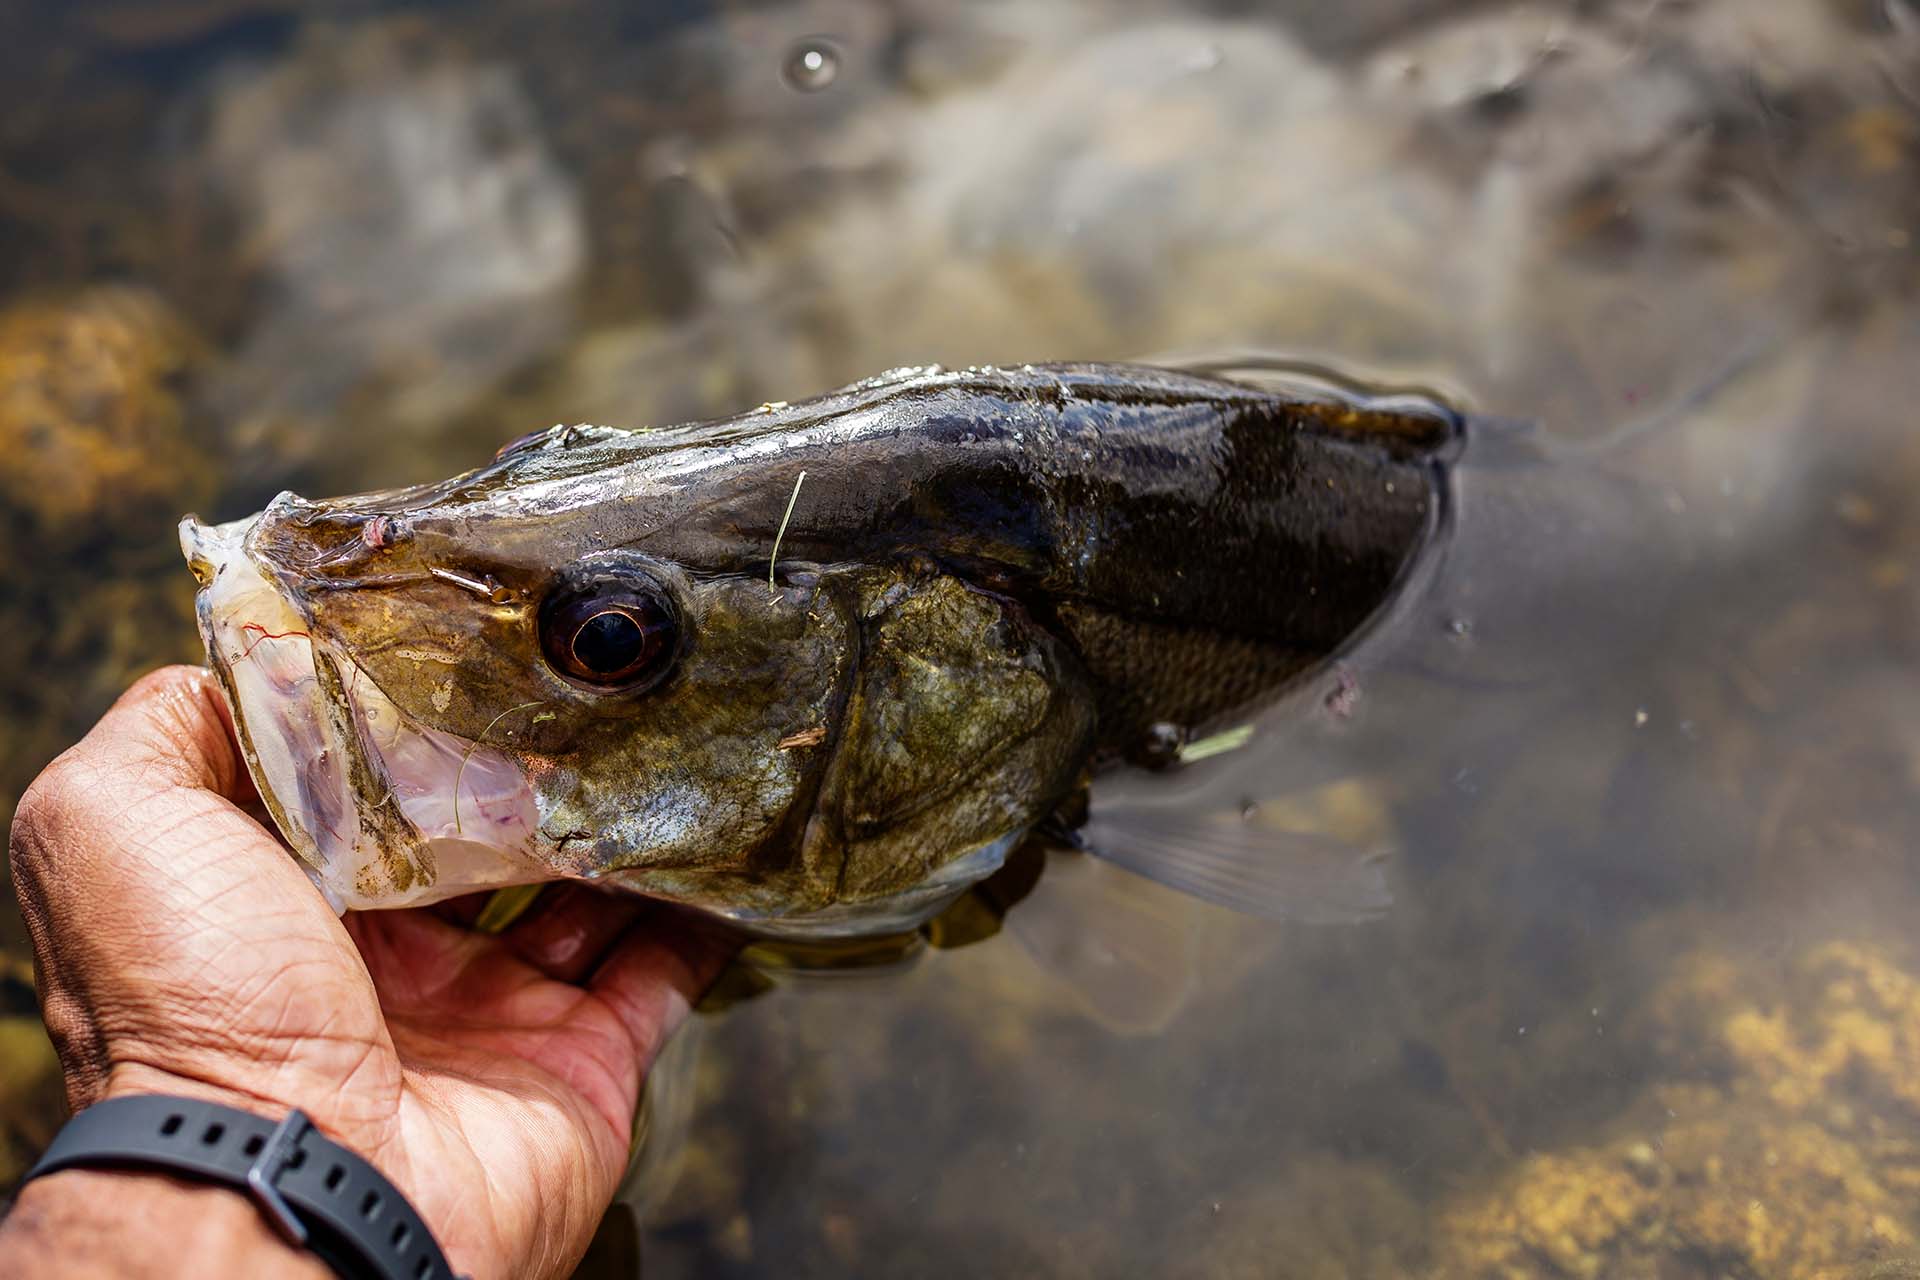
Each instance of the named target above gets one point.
<point>610,632</point>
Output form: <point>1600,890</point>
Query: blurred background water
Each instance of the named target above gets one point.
<point>1646,747</point>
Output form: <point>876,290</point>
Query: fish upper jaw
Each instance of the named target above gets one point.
<point>381,812</point>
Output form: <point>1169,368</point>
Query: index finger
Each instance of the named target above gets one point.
<point>139,807</point>
<point>657,971</point>
<point>171,729</point>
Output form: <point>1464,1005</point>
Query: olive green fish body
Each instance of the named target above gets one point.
<point>987,581</point>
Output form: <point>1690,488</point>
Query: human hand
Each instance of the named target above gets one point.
<point>181,950</point>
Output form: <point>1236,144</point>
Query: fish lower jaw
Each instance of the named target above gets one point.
<point>381,812</point>
<point>261,649</point>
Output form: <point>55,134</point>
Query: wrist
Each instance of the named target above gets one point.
<point>135,1079</point>
<point>266,1098</point>
<point>323,1198</point>
<point>86,1223</point>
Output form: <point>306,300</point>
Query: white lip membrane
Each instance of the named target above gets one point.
<point>471,805</point>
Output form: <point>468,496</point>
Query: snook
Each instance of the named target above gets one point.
<point>586,659</point>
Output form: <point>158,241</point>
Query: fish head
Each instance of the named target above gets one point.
<point>523,675</point>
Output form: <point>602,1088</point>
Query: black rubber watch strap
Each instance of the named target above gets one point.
<point>315,1192</point>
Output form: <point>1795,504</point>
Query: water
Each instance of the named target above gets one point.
<point>1644,744</point>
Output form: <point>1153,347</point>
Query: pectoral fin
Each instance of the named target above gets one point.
<point>1238,861</point>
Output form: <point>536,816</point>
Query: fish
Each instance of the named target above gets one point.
<point>819,667</point>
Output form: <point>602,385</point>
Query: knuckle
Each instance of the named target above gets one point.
<point>46,804</point>
<point>177,733</point>
<point>166,683</point>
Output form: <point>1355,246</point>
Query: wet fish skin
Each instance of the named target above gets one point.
<point>988,581</point>
<point>1116,492</point>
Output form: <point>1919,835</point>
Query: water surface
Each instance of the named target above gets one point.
<point>1644,744</point>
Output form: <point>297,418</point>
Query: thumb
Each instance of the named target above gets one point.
<point>171,729</point>
<point>140,819</point>
<point>115,821</point>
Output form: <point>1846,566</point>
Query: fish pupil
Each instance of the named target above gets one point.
<point>615,630</point>
<point>609,642</point>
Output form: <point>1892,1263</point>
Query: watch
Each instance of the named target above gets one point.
<point>317,1194</point>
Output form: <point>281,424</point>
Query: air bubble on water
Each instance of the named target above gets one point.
<point>811,64</point>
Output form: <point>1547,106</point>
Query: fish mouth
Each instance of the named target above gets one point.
<point>380,810</point>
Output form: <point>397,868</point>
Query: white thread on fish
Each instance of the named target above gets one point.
<point>772,590</point>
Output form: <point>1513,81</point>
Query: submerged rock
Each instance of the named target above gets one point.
<point>103,449</point>
<point>1726,1186</point>
<point>1790,1160</point>
<point>1840,1035</point>
<point>97,435</point>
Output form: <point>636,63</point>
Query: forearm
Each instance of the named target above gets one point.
<point>83,1223</point>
